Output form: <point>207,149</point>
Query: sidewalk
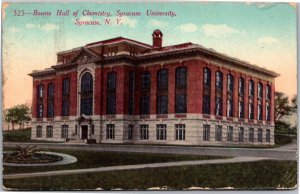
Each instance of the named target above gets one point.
<point>133,167</point>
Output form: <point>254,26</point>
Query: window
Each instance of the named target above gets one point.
<point>241,134</point>
<point>180,103</point>
<point>130,132</point>
<point>39,131</point>
<point>219,80</point>
<point>251,110</point>
<point>92,129</point>
<point>230,133</point>
<point>181,86</point>
<point>66,97</point>
<point>162,104</point>
<point>49,132</point>
<point>162,91</point>
<point>268,111</point>
<point>251,135</point>
<point>40,101</point>
<point>207,76</point>
<point>229,108</point>
<point>76,130</point>
<point>218,133</point>
<point>206,90</point>
<point>86,94</point>
<point>145,96</point>
<point>259,135</point>
<point>110,131</point>
<point>268,92</point>
<point>162,79</point>
<point>241,86</point>
<point>50,101</point>
<point>146,79</point>
<point>259,111</point>
<point>251,88</point>
<point>259,90</point>
<point>218,106</point>
<point>181,77</point>
<point>268,135</point>
<point>64,131</point>
<point>206,132</point>
<point>131,93</point>
<point>241,109</point>
<point>111,93</point>
<point>144,132</point>
<point>161,132</point>
<point>206,104</point>
<point>230,83</point>
<point>180,131</point>
<point>145,105</point>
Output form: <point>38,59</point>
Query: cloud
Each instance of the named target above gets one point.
<point>268,40</point>
<point>45,27</point>
<point>218,30</point>
<point>157,23</point>
<point>187,28</point>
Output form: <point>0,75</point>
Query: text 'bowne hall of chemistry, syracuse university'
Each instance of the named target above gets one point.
<point>125,91</point>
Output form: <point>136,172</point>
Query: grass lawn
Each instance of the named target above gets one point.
<point>91,159</point>
<point>252,175</point>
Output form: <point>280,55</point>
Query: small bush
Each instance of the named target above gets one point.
<point>22,135</point>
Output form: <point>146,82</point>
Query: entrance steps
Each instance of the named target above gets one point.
<point>71,141</point>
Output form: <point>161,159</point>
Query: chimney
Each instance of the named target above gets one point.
<point>157,39</point>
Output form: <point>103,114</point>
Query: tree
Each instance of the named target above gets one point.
<point>282,106</point>
<point>18,114</point>
<point>294,103</point>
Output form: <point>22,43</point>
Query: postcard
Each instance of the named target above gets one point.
<point>149,96</point>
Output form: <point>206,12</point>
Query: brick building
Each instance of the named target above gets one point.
<point>124,91</point>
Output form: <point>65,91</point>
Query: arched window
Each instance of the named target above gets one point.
<point>219,79</point>
<point>86,105</point>
<point>251,88</point>
<point>230,85</point>
<point>40,98</point>
<point>111,93</point>
<point>259,90</point>
<point>162,91</point>
<point>66,97</point>
<point>145,97</point>
<point>268,92</point>
<point>50,101</point>
<point>181,86</point>
<point>241,86</point>
<point>219,94</point>
<point>206,90</point>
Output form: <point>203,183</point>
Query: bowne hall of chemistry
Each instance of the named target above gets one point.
<point>125,91</point>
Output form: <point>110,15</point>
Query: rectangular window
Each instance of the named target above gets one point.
<point>241,86</point>
<point>39,131</point>
<point>66,86</point>
<point>230,133</point>
<point>131,93</point>
<point>268,134</point>
<point>206,132</point>
<point>64,131</point>
<point>251,135</point>
<point>130,132</point>
<point>251,111</point>
<point>144,132</point>
<point>49,131</point>
<point>40,102</point>
<point>66,97</point>
<point>259,112</point>
<point>92,129</point>
<point>110,131</point>
<point>111,104</point>
<point>229,108</point>
<point>268,111</point>
<point>206,104</point>
<point>145,105</point>
<point>218,106</point>
<point>259,135</point>
<point>180,131</point>
<point>180,103</point>
<point>146,78</point>
<point>161,132</point>
<point>218,133</point>
<point>241,134</point>
<point>40,111</point>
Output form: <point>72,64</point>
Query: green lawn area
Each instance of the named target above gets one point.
<point>91,159</point>
<point>252,175</point>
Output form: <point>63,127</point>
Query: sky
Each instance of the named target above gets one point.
<point>260,33</point>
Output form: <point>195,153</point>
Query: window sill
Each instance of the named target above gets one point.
<point>229,119</point>
<point>180,115</point>
<point>219,117</point>
<point>161,116</point>
<point>144,116</point>
<point>206,116</point>
<point>110,116</point>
